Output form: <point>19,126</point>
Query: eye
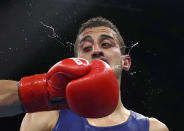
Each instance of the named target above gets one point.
<point>87,48</point>
<point>106,45</point>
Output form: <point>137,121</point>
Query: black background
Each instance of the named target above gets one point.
<point>153,86</point>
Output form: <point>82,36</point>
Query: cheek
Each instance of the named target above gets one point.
<point>115,54</point>
<point>84,55</point>
<point>80,54</point>
<point>115,59</point>
<point>116,63</point>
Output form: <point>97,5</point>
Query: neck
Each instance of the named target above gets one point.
<point>119,116</point>
<point>120,109</point>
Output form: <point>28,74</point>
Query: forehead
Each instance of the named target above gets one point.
<point>97,31</point>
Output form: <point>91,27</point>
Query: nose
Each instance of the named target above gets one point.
<point>97,52</point>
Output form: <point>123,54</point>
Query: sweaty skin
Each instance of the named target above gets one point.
<point>95,43</point>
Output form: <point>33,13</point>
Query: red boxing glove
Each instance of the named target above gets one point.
<point>44,92</point>
<point>95,94</point>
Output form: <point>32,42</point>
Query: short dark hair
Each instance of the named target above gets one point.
<point>96,22</point>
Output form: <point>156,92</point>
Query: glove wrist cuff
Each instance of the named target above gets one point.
<point>33,93</point>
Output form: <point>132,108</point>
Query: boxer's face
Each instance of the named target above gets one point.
<point>101,43</point>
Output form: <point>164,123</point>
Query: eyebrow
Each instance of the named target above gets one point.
<point>104,36</point>
<point>86,38</point>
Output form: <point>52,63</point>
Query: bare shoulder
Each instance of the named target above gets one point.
<point>156,125</point>
<point>39,121</point>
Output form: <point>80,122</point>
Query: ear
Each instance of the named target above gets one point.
<point>126,62</point>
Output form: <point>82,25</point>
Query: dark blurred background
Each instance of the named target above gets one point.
<point>35,34</point>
